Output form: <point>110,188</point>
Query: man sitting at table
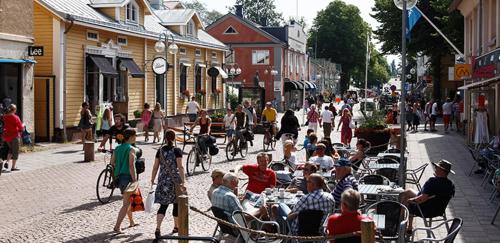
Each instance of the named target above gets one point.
<point>317,199</point>
<point>299,183</point>
<point>324,162</point>
<point>217,176</point>
<point>435,194</point>
<point>343,174</point>
<point>349,220</point>
<point>259,176</point>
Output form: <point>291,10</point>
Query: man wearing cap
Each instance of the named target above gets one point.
<point>435,194</point>
<point>216,181</point>
<point>343,174</point>
<point>270,114</point>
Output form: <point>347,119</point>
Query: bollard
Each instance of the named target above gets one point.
<point>88,151</point>
<point>182,201</point>
<point>367,231</point>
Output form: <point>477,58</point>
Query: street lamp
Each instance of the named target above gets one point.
<point>403,5</point>
<point>160,48</point>
<point>233,71</point>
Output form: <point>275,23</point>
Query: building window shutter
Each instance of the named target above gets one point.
<point>197,79</point>
<point>183,76</point>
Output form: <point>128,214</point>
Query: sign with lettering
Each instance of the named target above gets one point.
<point>160,65</point>
<point>35,50</point>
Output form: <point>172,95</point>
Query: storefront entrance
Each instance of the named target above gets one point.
<point>11,86</point>
<point>44,107</point>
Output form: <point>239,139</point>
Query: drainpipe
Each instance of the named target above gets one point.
<point>70,18</point>
<point>480,28</point>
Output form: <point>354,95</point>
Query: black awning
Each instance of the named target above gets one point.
<point>300,85</point>
<point>104,65</point>
<point>290,85</point>
<point>132,67</point>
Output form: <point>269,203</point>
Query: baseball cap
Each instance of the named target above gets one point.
<point>343,162</point>
<point>217,172</point>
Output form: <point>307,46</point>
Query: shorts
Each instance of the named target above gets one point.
<point>14,148</point>
<point>105,132</point>
<point>446,119</point>
<point>123,181</point>
<point>433,118</point>
<point>229,132</point>
<point>192,117</point>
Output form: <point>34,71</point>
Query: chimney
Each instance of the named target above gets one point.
<point>239,10</point>
<point>292,22</point>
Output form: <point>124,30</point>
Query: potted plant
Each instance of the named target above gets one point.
<point>217,116</point>
<point>137,116</point>
<point>374,129</point>
<point>186,94</point>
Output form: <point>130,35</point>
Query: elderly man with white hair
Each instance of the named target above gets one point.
<point>225,196</point>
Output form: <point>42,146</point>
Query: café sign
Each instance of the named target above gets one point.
<point>160,65</point>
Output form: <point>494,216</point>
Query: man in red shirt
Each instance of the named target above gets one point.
<point>349,220</point>
<point>259,176</point>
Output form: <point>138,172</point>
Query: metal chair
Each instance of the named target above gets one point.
<point>476,156</point>
<point>393,151</point>
<point>492,164</point>
<point>396,219</point>
<point>414,176</point>
<point>241,219</point>
<point>387,160</point>
<point>456,225</point>
<point>439,213</point>
<point>374,180</point>
<point>310,222</point>
<point>390,173</point>
<point>393,157</point>
<point>222,228</point>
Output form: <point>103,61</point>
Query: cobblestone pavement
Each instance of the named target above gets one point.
<point>52,199</point>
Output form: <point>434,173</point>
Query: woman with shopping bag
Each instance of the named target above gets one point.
<point>123,160</point>
<point>170,179</point>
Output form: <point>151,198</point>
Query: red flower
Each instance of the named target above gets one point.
<point>186,93</point>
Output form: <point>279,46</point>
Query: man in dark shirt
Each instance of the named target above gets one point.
<point>115,131</point>
<point>435,194</point>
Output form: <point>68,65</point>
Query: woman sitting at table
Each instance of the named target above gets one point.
<point>362,147</point>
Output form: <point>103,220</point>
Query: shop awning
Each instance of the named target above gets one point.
<point>132,67</point>
<point>222,73</point>
<point>480,84</point>
<point>104,65</point>
<point>290,85</point>
<point>17,61</point>
<point>201,65</point>
<point>310,85</point>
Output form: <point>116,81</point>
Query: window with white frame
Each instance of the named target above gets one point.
<point>182,51</point>
<point>260,57</point>
<point>190,28</point>
<point>214,55</point>
<point>289,61</point>
<point>92,35</point>
<point>132,12</point>
<point>122,40</point>
<point>197,52</point>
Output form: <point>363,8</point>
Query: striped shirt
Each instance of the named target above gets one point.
<point>347,182</point>
<point>316,200</point>
<point>225,199</point>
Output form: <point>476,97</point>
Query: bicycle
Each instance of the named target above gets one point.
<point>105,181</point>
<point>268,141</point>
<point>196,157</point>
<point>238,144</point>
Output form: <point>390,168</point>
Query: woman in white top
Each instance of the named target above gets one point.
<point>229,124</point>
<point>290,155</point>
<point>106,123</point>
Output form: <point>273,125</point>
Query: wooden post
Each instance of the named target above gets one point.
<point>89,153</point>
<point>367,231</point>
<point>182,201</point>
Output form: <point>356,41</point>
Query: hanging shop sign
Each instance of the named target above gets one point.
<point>35,51</point>
<point>160,65</point>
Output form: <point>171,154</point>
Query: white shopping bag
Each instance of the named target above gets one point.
<point>150,200</point>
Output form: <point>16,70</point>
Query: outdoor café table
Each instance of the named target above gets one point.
<point>381,155</point>
<point>376,166</point>
<point>378,190</point>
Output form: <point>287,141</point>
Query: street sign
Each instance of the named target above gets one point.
<point>35,50</point>
<point>160,65</point>
<point>462,71</point>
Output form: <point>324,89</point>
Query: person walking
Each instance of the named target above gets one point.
<point>157,122</point>
<point>346,132</point>
<point>12,128</point>
<point>326,121</point>
<point>85,123</point>
<point>106,123</point>
<point>447,111</point>
<point>168,161</point>
<point>122,160</point>
<point>146,120</point>
<point>192,109</point>
<point>313,118</point>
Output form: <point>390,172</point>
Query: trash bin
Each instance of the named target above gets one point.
<point>88,151</point>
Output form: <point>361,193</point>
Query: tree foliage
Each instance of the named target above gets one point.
<point>262,12</point>
<point>206,16</point>
<point>341,37</point>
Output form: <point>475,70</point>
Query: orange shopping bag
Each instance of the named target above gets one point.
<point>136,202</point>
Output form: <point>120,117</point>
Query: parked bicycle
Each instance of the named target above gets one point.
<point>196,157</point>
<point>238,144</point>
<point>105,182</point>
<point>269,142</point>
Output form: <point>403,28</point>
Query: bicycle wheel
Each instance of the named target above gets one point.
<point>104,188</point>
<point>207,163</point>
<point>191,162</point>
<point>230,151</point>
<point>243,149</point>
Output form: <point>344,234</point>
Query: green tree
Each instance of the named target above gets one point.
<point>394,70</point>
<point>424,38</point>
<point>206,16</point>
<point>340,35</point>
<point>262,12</point>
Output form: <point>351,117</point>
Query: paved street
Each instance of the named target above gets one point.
<point>52,199</point>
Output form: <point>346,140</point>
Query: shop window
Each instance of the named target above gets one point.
<point>121,86</point>
<point>182,79</point>
<point>160,89</point>
<point>92,35</point>
<point>260,57</point>
<point>132,12</point>
<point>10,86</point>
<point>197,79</point>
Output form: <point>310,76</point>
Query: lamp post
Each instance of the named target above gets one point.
<point>162,45</point>
<point>403,5</point>
<point>233,71</point>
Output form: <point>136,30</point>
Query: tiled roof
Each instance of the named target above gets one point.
<point>175,16</point>
<point>81,11</point>
<point>278,32</point>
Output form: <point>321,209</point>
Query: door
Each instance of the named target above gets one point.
<point>44,109</point>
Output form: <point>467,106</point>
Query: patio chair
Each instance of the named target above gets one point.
<point>492,164</point>
<point>222,228</point>
<point>396,219</point>
<point>241,219</point>
<point>476,156</point>
<point>456,225</point>
<point>438,214</point>
<point>374,180</point>
<point>414,176</point>
<point>387,160</point>
<point>310,222</point>
<point>393,151</point>
<point>389,173</point>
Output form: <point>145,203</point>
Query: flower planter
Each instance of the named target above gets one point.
<point>378,138</point>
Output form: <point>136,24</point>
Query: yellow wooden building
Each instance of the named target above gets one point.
<point>102,52</point>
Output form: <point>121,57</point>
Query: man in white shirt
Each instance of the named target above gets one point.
<point>326,121</point>
<point>434,114</point>
<point>192,109</point>
<point>447,109</point>
<point>229,124</point>
<point>324,162</point>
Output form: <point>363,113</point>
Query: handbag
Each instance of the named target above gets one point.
<point>140,165</point>
<point>150,200</point>
<point>136,203</point>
